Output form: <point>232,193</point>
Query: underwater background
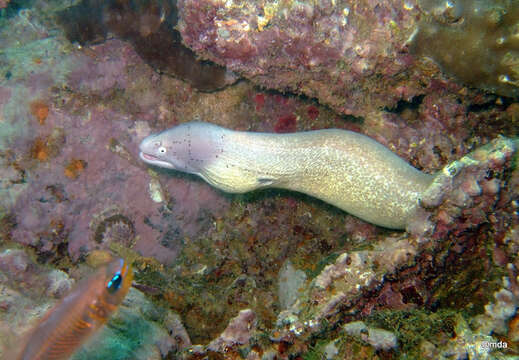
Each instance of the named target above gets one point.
<point>269,274</point>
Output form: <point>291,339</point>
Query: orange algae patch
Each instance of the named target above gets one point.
<point>44,148</point>
<point>40,111</point>
<point>74,168</point>
<point>40,149</point>
<point>513,326</point>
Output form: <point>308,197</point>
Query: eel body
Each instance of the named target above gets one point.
<point>343,168</point>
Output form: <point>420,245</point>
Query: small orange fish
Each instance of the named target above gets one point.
<point>65,327</point>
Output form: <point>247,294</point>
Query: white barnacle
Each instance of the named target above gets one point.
<point>155,191</point>
<point>408,5</point>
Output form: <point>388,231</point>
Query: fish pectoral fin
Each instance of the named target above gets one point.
<point>265,181</point>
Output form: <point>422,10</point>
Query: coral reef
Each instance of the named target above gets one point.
<point>349,55</point>
<point>60,169</point>
<point>269,274</point>
<point>290,282</point>
<point>475,41</point>
<point>378,338</point>
<point>341,290</point>
<point>238,332</point>
<point>154,38</point>
<point>356,56</point>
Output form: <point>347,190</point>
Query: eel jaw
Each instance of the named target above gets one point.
<point>153,160</point>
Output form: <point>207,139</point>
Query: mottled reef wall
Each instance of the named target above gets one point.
<point>269,274</point>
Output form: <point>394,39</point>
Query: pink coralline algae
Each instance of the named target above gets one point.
<point>238,332</point>
<point>345,53</point>
<point>91,171</point>
<point>435,133</point>
<point>456,188</point>
<point>313,112</point>
<point>286,124</point>
<point>356,56</point>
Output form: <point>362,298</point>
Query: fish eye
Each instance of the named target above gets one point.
<point>162,150</point>
<point>115,283</point>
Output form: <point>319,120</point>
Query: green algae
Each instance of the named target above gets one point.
<point>348,348</point>
<point>316,352</point>
<point>465,288</point>
<point>7,223</point>
<point>236,265</point>
<point>320,265</point>
<point>414,326</point>
<point>151,277</point>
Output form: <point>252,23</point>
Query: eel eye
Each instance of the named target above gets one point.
<point>114,284</point>
<point>162,150</point>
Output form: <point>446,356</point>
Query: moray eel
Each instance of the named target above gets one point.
<point>80,314</point>
<point>343,168</point>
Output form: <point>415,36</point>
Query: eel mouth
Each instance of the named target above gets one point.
<point>152,159</point>
<point>148,157</point>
